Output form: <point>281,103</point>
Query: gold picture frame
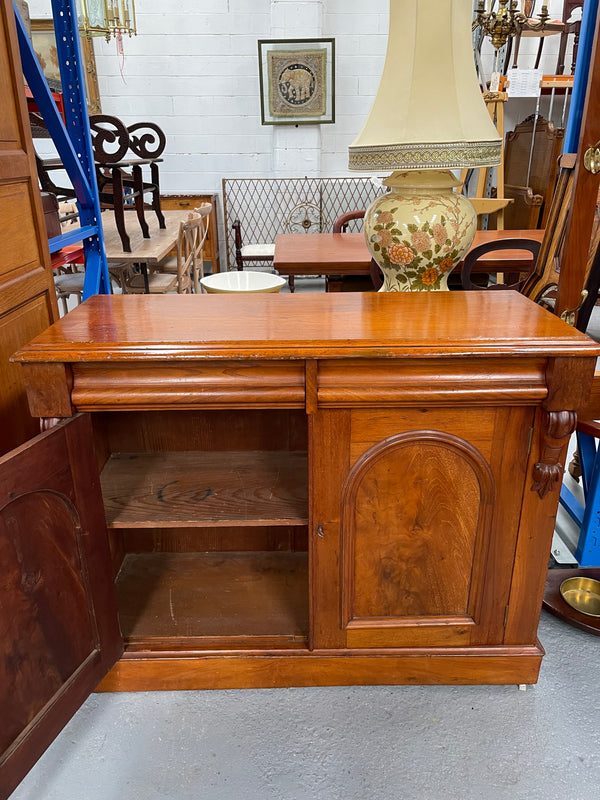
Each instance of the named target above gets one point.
<point>44,44</point>
<point>297,81</point>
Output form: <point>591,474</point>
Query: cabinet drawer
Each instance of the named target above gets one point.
<point>176,202</point>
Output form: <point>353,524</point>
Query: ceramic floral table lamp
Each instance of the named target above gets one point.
<point>428,118</point>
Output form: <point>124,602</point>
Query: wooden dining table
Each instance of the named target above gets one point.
<point>150,251</point>
<point>146,253</point>
<point>338,254</point>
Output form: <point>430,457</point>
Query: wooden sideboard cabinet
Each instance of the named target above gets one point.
<point>178,202</point>
<point>283,490</point>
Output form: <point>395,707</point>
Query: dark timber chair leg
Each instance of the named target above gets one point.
<point>119,212</point>
<point>156,196</point>
<point>138,198</point>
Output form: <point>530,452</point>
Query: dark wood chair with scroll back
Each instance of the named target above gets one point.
<point>341,226</point>
<point>121,185</point>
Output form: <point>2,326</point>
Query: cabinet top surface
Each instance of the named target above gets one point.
<point>296,326</point>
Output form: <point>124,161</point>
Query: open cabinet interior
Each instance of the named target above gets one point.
<point>207,515</point>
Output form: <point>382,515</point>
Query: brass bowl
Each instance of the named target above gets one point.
<point>582,594</point>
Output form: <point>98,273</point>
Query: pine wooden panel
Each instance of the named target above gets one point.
<point>18,225</point>
<point>16,328</point>
<point>10,134</point>
<point>27,296</point>
<point>183,596</point>
<point>205,488</point>
<point>152,250</point>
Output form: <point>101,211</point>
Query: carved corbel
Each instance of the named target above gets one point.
<point>547,473</point>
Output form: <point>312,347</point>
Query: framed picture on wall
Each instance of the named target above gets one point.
<point>44,44</point>
<point>297,81</point>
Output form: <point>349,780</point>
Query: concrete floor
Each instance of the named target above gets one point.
<point>406,743</point>
<point>345,743</point>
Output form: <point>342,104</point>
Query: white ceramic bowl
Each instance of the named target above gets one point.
<point>241,281</point>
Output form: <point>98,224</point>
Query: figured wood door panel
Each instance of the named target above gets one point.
<point>27,296</point>
<point>429,520</point>
<point>416,507</point>
<point>58,621</point>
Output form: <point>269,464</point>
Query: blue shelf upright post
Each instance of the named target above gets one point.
<point>73,140</point>
<point>582,69</point>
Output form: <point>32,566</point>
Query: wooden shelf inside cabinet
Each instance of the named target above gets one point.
<point>177,202</point>
<point>202,488</point>
<point>183,600</point>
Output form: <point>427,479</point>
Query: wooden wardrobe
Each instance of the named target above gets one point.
<point>27,296</point>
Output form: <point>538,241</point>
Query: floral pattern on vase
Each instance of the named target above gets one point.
<point>417,234</point>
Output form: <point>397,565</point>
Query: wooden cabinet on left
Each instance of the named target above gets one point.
<point>27,296</point>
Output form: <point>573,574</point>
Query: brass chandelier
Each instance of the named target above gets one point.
<point>106,17</point>
<point>508,21</point>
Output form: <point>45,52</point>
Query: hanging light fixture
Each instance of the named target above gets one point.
<point>106,18</point>
<point>508,21</point>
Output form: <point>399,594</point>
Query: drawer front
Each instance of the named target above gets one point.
<point>177,202</point>
<point>159,385</point>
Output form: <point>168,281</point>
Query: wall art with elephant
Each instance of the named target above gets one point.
<point>297,78</point>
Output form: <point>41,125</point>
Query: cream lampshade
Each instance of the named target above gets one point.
<point>428,117</point>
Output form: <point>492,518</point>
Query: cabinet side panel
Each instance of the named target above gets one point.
<point>536,527</point>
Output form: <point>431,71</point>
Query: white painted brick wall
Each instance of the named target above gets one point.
<point>194,71</point>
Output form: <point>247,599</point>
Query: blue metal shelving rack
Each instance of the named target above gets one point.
<point>72,140</point>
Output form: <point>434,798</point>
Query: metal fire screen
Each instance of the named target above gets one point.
<point>268,206</point>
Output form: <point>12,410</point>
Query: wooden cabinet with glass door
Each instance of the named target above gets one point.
<point>366,496</point>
